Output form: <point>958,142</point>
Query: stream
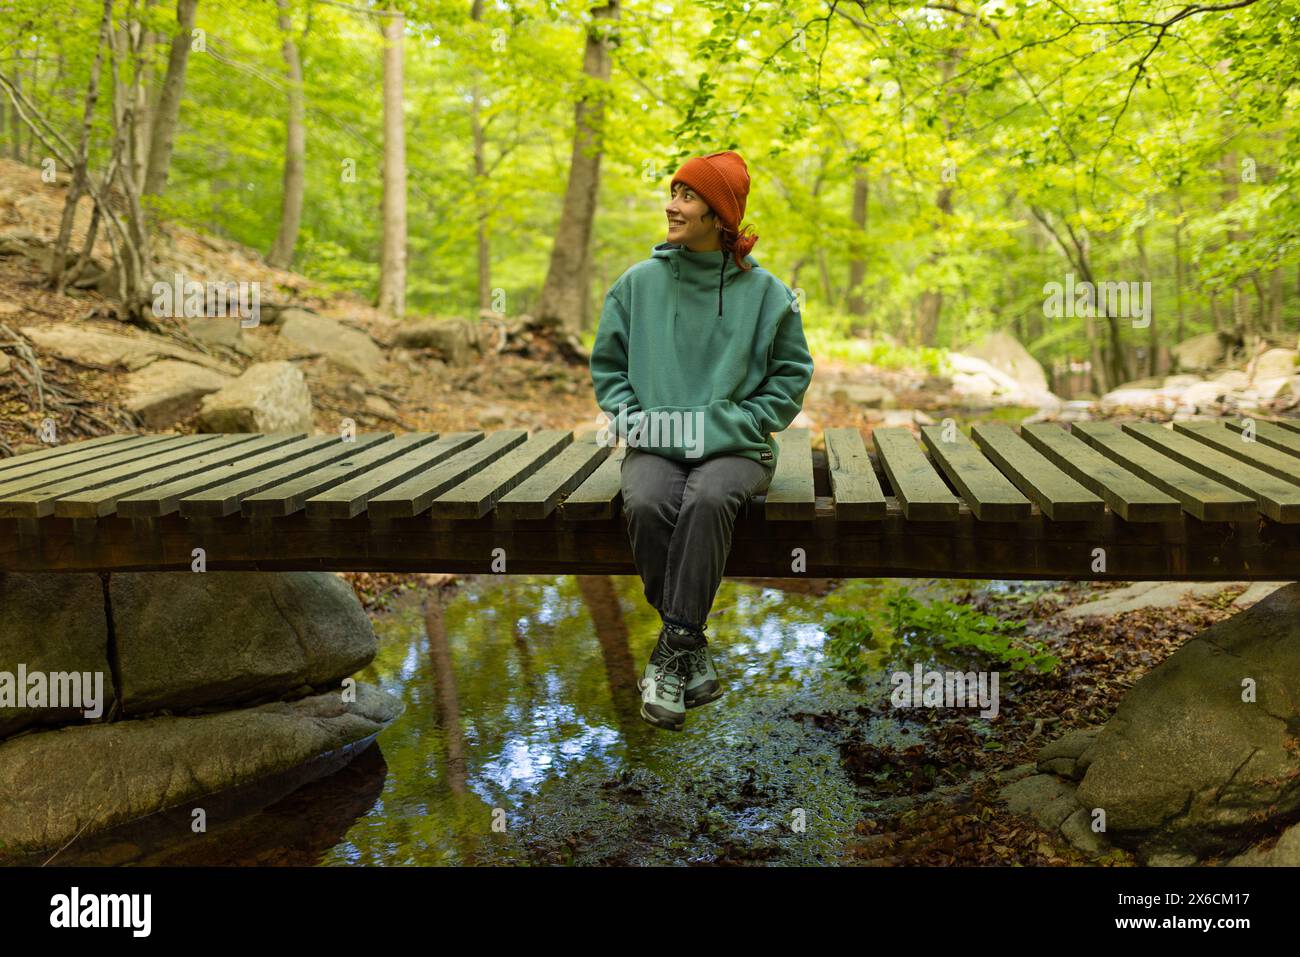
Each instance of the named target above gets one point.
<point>521,741</point>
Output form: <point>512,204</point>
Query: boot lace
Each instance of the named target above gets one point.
<point>670,675</point>
<point>698,659</point>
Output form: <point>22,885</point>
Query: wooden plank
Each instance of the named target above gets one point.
<point>600,496</point>
<point>1222,439</point>
<point>920,491</point>
<point>539,495</point>
<point>45,456</point>
<point>165,499</point>
<point>475,497</point>
<point>413,496</point>
<point>790,496</point>
<point>1267,434</point>
<point>1130,497</point>
<point>350,498</point>
<point>1291,425</point>
<point>221,500</point>
<point>1060,497</point>
<point>37,474</point>
<point>1200,497</point>
<point>102,500</point>
<point>289,496</point>
<point>1276,498</point>
<point>37,502</point>
<point>990,495</point>
<point>854,486</point>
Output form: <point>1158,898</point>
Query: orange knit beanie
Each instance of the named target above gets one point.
<point>722,181</point>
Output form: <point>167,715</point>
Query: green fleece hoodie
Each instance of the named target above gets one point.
<point>718,373</point>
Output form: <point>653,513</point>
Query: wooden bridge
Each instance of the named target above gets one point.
<point>1205,500</point>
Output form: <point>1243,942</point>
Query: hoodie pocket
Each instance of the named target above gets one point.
<point>696,432</point>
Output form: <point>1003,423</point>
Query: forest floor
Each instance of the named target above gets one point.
<point>955,817</point>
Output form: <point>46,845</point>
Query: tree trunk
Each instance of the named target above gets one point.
<point>169,100</point>
<point>857,303</point>
<point>445,694</point>
<point>563,301</point>
<point>1144,276</point>
<point>132,246</point>
<point>621,672</point>
<point>1275,301</point>
<point>16,125</point>
<point>79,172</point>
<point>295,147</point>
<point>392,257</point>
<point>1178,273</point>
<point>481,183</point>
<point>140,90</point>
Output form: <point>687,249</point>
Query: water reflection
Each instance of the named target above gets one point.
<point>546,760</point>
<point>521,741</point>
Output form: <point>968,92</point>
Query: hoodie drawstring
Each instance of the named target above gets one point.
<point>721,276</point>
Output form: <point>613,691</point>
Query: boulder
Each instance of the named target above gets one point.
<point>344,347</point>
<point>906,418</point>
<point>1155,382</point>
<point>1276,387</point>
<point>188,640</point>
<point>118,346</point>
<point>1148,595</point>
<point>1004,352</point>
<point>227,332</point>
<point>1201,396</point>
<point>1200,353</point>
<point>977,382</point>
<point>864,394</point>
<point>1139,400</point>
<point>1274,364</point>
<point>455,339</point>
<point>1285,852</point>
<point>1186,766</point>
<point>166,391</point>
<point>268,397</point>
<point>52,623</point>
<point>83,780</point>
<point>1232,380</point>
<point>1045,797</point>
<point>381,408</point>
<point>1062,756</point>
<point>1257,591</point>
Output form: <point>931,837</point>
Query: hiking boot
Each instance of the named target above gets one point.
<point>663,687</point>
<point>702,685</point>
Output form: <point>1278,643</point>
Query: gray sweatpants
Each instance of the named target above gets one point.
<point>679,518</point>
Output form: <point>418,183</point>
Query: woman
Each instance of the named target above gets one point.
<point>700,355</point>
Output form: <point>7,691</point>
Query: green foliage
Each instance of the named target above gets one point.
<point>855,650</point>
<point>983,148</point>
<point>883,354</point>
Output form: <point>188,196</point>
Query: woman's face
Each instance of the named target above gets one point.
<point>687,222</point>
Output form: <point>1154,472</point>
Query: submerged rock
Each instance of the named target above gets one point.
<point>83,780</point>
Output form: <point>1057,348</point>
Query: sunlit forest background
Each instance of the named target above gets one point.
<point>920,170</point>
